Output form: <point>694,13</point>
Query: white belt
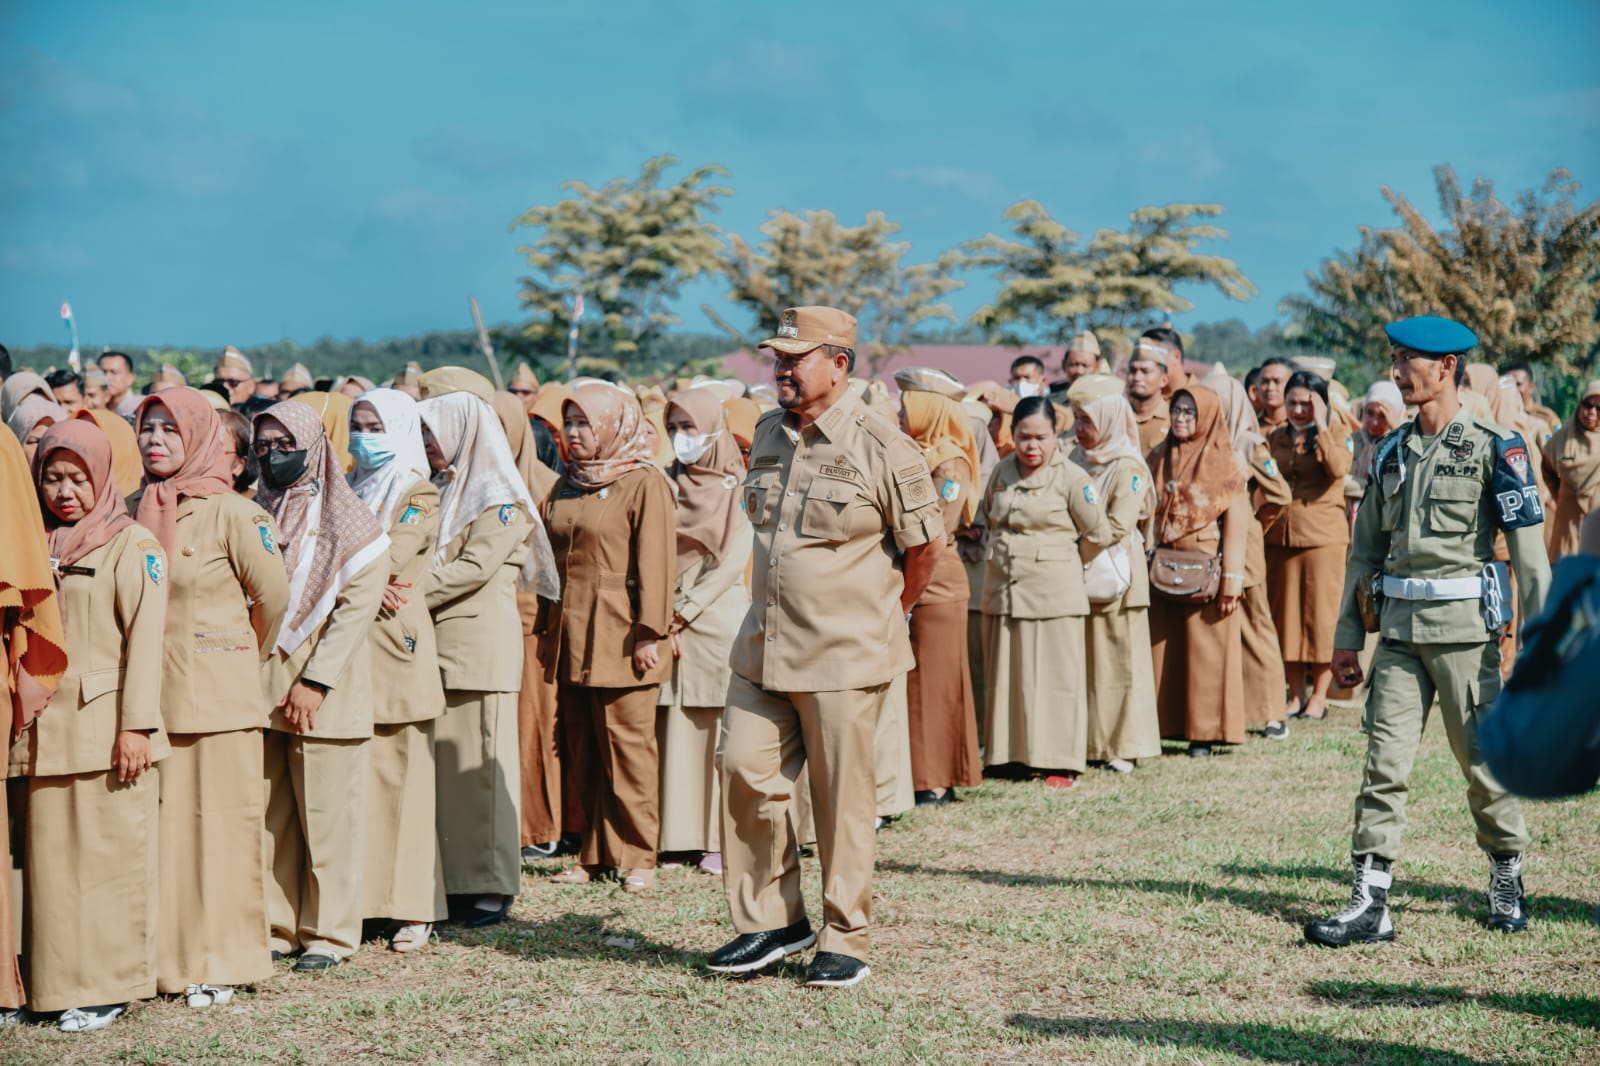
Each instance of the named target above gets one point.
<point>1422,588</point>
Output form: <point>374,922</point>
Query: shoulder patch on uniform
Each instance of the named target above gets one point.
<point>506,511</point>
<point>1089,495</point>
<point>411,515</point>
<point>265,529</point>
<point>155,567</point>
<point>1138,482</point>
<point>950,491</point>
<point>1270,465</point>
<point>1496,429</point>
<point>1516,496</point>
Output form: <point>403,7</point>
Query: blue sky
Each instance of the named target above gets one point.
<point>206,173</point>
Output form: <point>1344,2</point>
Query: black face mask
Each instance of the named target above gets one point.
<point>282,469</point>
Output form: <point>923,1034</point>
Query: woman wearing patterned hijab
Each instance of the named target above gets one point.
<point>709,604</point>
<point>1121,679</point>
<point>227,593</point>
<point>319,686</point>
<point>405,880</point>
<point>486,525</point>
<point>611,526</point>
<point>1200,506</point>
<point>88,763</point>
<point>1572,466</point>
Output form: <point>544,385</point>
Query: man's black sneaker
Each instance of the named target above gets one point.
<point>538,852</point>
<point>1508,907</point>
<point>832,970</point>
<point>749,952</point>
<point>1366,920</point>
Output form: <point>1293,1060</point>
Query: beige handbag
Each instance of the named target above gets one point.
<point>1107,578</point>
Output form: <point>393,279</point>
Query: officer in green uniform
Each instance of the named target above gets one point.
<point>1441,487</point>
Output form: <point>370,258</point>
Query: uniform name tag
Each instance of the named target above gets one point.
<point>765,460</point>
<point>844,473</point>
<point>77,571</point>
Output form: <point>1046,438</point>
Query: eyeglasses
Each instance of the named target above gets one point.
<point>232,383</point>
<point>1185,413</point>
<point>281,445</point>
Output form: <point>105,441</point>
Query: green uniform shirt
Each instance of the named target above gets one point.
<point>1429,512</point>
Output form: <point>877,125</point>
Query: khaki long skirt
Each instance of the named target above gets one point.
<point>540,751</point>
<point>405,873</point>
<point>1121,680</point>
<point>691,785</point>
<point>213,926</point>
<point>93,857</point>
<point>1305,586</point>
<point>1038,708</point>
<point>943,725</point>
<point>1199,665</point>
<point>477,790</point>
<point>1265,685</point>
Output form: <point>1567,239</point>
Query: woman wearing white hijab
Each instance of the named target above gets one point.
<point>487,522</point>
<point>405,877</point>
<point>1123,727</point>
<point>318,681</point>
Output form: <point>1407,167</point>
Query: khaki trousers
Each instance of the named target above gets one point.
<point>767,737</point>
<point>540,753</point>
<point>316,842</point>
<point>1405,678</point>
<point>405,875</point>
<point>475,751</point>
<point>90,933</point>
<point>613,733</point>
<point>213,927</point>
<point>11,893</point>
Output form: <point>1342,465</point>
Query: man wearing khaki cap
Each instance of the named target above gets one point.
<point>295,380</point>
<point>233,370</point>
<point>833,489</point>
<point>1082,358</point>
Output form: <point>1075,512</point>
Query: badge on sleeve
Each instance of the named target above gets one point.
<point>410,516</point>
<point>264,527</point>
<point>155,567</point>
<point>1270,465</point>
<point>505,513</point>
<point>950,491</point>
<point>1516,496</point>
<point>1089,495</point>
<point>1138,483</point>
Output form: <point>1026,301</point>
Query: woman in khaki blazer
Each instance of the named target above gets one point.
<point>1039,505</point>
<point>319,690</point>
<point>714,544</point>
<point>92,792</point>
<point>228,590</point>
<point>1306,546</point>
<point>486,524</point>
<point>405,877</point>
<point>611,527</point>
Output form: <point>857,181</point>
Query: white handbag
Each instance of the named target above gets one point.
<point>1107,578</point>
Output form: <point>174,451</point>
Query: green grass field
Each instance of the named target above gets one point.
<point>1153,918</point>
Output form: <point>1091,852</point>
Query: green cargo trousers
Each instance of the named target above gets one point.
<point>1405,678</point>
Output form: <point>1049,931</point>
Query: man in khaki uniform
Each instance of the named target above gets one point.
<point>1147,384</point>
<point>832,490</point>
<point>1440,489</point>
<point>233,369</point>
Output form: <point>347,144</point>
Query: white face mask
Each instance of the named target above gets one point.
<point>1027,390</point>
<point>689,447</point>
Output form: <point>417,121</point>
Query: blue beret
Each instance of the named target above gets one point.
<point>1431,335</point>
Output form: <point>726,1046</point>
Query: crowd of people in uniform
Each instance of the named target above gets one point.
<point>298,664</point>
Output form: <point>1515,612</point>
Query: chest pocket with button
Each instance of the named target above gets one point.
<point>830,510</point>
<point>1453,504</point>
<point>761,496</point>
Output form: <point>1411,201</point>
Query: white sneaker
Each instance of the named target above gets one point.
<point>1121,766</point>
<point>201,996</point>
<point>88,1019</point>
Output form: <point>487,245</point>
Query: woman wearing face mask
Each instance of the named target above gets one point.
<point>489,534</point>
<point>1120,680</point>
<point>404,876</point>
<point>319,686</point>
<point>1572,469</point>
<point>611,526</point>
<point>943,725</point>
<point>1038,508</point>
<point>1306,546</point>
<point>1201,506</point>
<point>89,760</point>
<point>714,544</point>
<point>537,717</point>
<point>227,592</point>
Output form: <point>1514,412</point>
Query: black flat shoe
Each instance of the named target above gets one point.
<point>1199,751</point>
<point>313,962</point>
<point>751,952</point>
<point>927,797</point>
<point>478,917</point>
<point>833,970</point>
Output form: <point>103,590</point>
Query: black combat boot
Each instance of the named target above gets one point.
<point>1366,920</point>
<point>1508,907</point>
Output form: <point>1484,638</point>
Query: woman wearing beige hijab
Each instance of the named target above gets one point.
<point>611,527</point>
<point>1572,469</point>
<point>709,603</point>
<point>1123,727</point>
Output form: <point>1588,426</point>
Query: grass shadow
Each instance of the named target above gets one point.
<point>1253,1041</point>
<point>586,937</point>
<point>1365,995</point>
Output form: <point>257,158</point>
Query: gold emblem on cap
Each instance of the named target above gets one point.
<point>786,326</point>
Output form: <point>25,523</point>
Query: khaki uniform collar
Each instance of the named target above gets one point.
<point>832,422</point>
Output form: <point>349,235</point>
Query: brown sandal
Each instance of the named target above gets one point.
<point>577,875</point>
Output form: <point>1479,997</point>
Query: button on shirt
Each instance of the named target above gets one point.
<point>829,503</point>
